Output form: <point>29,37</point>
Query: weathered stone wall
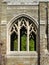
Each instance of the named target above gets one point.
<point>13,11</point>
<point>22,61</point>
<point>48,22</point>
<point>43,37</point>
<point>0,11</point>
<point>8,12</point>
<point>42,26</point>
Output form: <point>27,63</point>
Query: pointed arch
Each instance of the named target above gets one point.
<point>27,25</point>
<point>22,15</point>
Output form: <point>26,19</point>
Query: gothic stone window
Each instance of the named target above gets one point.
<point>22,33</point>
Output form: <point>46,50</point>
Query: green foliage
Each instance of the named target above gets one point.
<point>31,45</point>
<point>23,43</point>
<point>15,44</point>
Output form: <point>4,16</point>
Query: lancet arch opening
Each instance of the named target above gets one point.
<point>23,34</point>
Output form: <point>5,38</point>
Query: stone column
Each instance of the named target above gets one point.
<point>18,36</point>
<point>28,37</point>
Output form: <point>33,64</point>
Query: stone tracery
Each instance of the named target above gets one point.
<point>24,23</point>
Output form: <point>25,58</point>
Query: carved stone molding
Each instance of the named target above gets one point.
<point>21,2</point>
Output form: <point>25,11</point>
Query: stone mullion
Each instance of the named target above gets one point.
<point>28,37</point>
<point>18,36</point>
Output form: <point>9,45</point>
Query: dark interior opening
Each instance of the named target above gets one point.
<point>23,39</point>
<point>32,42</point>
<point>14,42</point>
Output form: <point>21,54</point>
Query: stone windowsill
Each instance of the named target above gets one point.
<point>22,53</point>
